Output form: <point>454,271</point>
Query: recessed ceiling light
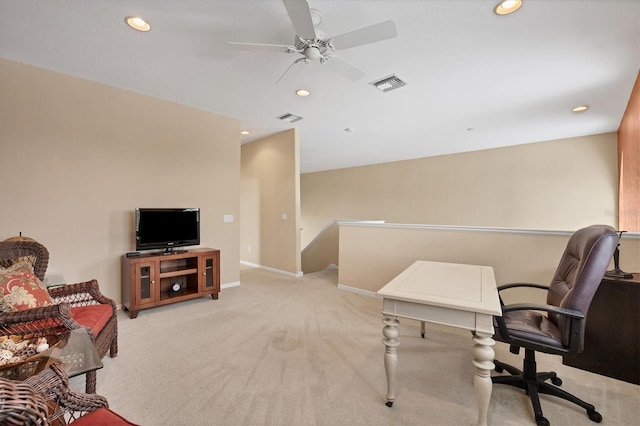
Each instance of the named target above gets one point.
<point>244,132</point>
<point>507,6</point>
<point>137,23</point>
<point>302,92</point>
<point>580,108</point>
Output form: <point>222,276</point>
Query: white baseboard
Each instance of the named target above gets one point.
<point>358,290</point>
<point>266,268</point>
<point>228,285</point>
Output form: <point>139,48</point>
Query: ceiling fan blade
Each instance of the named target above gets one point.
<point>378,32</point>
<point>259,46</point>
<point>344,68</point>
<point>300,16</point>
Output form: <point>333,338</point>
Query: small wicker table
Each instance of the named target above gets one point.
<point>73,350</point>
<point>78,355</point>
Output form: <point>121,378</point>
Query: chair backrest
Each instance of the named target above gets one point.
<point>581,269</point>
<point>16,247</point>
<point>21,404</point>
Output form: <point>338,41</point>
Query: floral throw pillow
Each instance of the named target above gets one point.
<point>22,290</point>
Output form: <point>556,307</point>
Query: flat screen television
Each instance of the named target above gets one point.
<point>167,228</point>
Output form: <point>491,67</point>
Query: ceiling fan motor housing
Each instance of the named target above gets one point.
<point>319,42</point>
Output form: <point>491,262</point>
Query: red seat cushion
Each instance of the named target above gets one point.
<point>92,316</point>
<point>102,417</point>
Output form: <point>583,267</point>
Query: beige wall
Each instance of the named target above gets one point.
<point>270,203</point>
<point>558,185</point>
<point>371,255</point>
<point>77,157</point>
<point>322,251</point>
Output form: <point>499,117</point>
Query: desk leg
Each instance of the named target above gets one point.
<point>483,355</point>
<point>390,333</point>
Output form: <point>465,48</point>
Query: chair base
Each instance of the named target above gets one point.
<point>534,383</point>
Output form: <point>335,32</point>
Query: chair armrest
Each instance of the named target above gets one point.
<point>53,384</point>
<point>42,321</point>
<point>516,285</point>
<point>74,401</point>
<point>571,313</point>
<point>81,294</point>
<point>20,404</point>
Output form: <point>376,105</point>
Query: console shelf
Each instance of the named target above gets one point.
<point>148,280</point>
<point>178,272</point>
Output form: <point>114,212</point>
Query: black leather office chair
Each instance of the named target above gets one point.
<point>557,327</point>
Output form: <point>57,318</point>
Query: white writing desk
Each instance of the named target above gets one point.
<point>463,296</point>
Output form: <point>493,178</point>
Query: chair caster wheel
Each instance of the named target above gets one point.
<point>389,403</point>
<point>594,416</point>
<point>499,369</point>
<point>542,421</point>
<point>556,381</point>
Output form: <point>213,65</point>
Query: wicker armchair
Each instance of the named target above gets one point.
<point>77,306</point>
<point>45,399</point>
<point>20,405</point>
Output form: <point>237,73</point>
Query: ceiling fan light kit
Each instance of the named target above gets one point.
<point>314,45</point>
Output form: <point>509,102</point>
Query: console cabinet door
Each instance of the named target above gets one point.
<point>145,283</point>
<point>209,268</point>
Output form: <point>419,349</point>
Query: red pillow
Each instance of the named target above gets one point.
<point>22,290</point>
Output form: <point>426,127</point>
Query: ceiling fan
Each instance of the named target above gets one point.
<point>313,44</point>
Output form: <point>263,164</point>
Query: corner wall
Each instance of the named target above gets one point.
<point>270,203</point>
<point>77,157</point>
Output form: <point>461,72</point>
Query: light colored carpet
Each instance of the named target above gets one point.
<point>298,351</point>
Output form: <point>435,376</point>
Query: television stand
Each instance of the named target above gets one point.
<point>156,279</point>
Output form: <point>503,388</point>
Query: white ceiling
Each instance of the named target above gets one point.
<point>512,79</point>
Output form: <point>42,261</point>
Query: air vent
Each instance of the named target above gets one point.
<point>388,84</point>
<point>291,118</point>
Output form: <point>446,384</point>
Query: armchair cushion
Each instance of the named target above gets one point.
<point>22,290</point>
<point>531,326</point>
<point>102,417</point>
<point>93,316</point>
